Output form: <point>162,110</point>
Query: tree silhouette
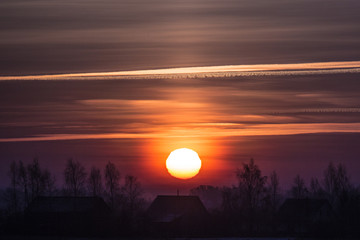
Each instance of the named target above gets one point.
<point>75,178</point>
<point>28,182</point>
<point>34,173</point>
<point>274,190</point>
<point>299,190</point>
<point>40,181</point>
<point>252,192</point>
<point>251,184</point>
<point>336,183</point>
<point>94,182</point>
<point>48,181</point>
<point>316,191</point>
<point>132,195</point>
<point>23,181</point>
<point>112,182</point>
<point>13,200</point>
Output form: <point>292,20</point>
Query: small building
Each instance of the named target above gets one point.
<point>305,215</point>
<point>177,215</point>
<point>67,215</point>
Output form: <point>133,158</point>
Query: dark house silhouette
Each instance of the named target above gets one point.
<point>305,215</point>
<point>67,215</point>
<point>177,215</point>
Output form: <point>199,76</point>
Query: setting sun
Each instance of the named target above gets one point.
<point>183,163</point>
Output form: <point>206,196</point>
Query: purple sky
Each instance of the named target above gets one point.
<point>292,120</point>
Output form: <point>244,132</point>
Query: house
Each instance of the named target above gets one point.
<point>305,215</point>
<point>67,215</point>
<point>177,215</point>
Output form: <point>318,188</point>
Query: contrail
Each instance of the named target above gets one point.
<point>211,71</point>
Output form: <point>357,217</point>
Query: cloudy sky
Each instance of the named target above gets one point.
<point>291,115</point>
<point>50,36</point>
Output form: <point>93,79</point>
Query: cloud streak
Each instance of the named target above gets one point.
<point>75,36</point>
<point>214,107</point>
<point>211,71</point>
<point>212,130</point>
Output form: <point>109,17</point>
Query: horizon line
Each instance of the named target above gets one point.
<point>225,70</point>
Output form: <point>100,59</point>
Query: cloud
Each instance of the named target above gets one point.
<point>40,37</point>
<point>165,74</point>
<point>212,71</point>
<point>243,104</point>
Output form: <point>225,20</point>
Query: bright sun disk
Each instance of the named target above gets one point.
<point>183,163</point>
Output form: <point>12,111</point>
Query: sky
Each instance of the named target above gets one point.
<point>130,81</point>
<point>50,36</point>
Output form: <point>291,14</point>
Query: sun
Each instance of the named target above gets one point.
<point>183,163</point>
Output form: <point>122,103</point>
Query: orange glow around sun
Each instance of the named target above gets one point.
<point>183,163</point>
<point>210,150</point>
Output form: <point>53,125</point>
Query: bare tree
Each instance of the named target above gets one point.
<point>316,190</point>
<point>336,182</point>
<point>299,190</point>
<point>13,198</point>
<point>28,182</point>
<point>23,181</point>
<point>35,175</point>
<point>112,182</point>
<point>94,182</point>
<point>274,190</point>
<point>40,181</point>
<point>75,178</point>
<point>252,193</point>
<point>251,184</point>
<point>132,195</point>
<point>48,182</point>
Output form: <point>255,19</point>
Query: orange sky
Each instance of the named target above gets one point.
<point>137,122</point>
<point>129,81</point>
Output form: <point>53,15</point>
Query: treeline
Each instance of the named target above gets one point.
<point>252,206</point>
<point>28,182</point>
<point>249,208</point>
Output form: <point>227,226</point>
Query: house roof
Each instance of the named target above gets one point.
<point>170,208</point>
<point>67,205</point>
<point>302,208</point>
